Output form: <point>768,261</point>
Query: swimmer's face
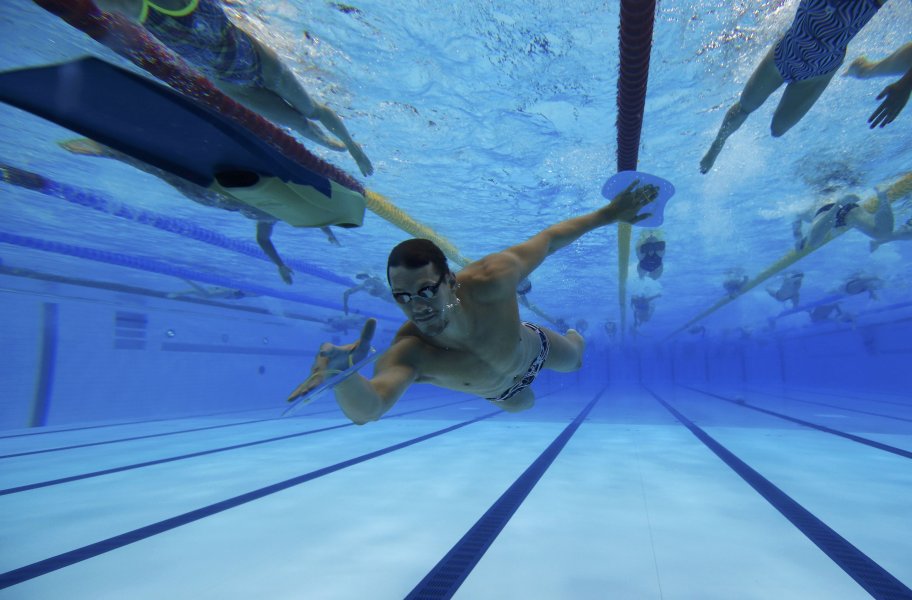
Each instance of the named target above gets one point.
<point>423,295</point>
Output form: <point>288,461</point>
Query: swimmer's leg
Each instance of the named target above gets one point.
<point>878,225</point>
<point>519,402</point>
<point>264,239</point>
<point>797,100</point>
<point>821,227</point>
<point>896,64</point>
<point>271,106</point>
<point>281,80</point>
<point>764,81</point>
<point>798,234</point>
<point>566,352</point>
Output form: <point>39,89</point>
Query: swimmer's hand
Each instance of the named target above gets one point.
<point>332,360</point>
<point>894,98</point>
<point>625,206</point>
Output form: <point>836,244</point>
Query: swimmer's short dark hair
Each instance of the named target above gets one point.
<point>415,253</point>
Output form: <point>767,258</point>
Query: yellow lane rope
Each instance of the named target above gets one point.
<point>900,189</point>
<point>625,232</point>
<point>383,208</point>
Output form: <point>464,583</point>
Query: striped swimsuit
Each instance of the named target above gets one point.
<point>816,42</point>
<point>206,39</point>
<point>537,363</point>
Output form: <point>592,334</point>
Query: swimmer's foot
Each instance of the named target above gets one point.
<point>860,68</point>
<point>709,159</point>
<point>360,157</point>
<point>84,147</point>
<point>286,274</point>
<point>574,336</point>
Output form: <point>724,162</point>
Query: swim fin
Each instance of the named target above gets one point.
<point>618,183</point>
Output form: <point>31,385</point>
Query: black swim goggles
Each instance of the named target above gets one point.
<point>425,293</point>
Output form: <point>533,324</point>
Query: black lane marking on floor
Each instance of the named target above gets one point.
<point>836,406</point>
<point>190,417</point>
<point>157,435</point>
<point>134,438</point>
<point>49,565</point>
<point>122,423</point>
<point>876,580</point>
<point>447,575</point>
<point>823,428</point>
<point>160,461</point>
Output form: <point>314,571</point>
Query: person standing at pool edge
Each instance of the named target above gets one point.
<point>463,331</point>
<point>240,65</point>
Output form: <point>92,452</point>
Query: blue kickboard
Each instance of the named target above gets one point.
<point>618,183</point>
<point>148,121</point>
<point>335,379</point>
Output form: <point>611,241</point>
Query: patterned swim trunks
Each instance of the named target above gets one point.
<point>533,369</point>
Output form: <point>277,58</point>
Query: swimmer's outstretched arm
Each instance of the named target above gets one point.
<point>506,269</point>
<point>348,293</point>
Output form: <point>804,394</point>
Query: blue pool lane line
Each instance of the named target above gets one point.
<point>823,428</point>
<point>876,580</point>
<point>132,438</point>
<point>164,268</point>
<point>49,565</point>
<point>182,227</point>
<point>159,461</point>
<point>447,575</point>
<point>836,406</point>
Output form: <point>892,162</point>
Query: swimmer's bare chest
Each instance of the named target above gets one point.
<point>490,363</point>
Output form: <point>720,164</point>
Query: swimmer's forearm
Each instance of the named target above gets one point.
<point>359,400</point>
<point>567,232</point>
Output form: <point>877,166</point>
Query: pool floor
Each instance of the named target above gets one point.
<point>619,500</point>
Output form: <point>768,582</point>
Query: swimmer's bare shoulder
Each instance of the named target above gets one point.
<point>405,350</point>
<point>492,278</point>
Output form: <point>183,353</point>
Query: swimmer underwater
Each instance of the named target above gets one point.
<point>463,331</point>
<point>240,65</point>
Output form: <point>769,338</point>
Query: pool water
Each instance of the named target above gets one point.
<point>724,447</point>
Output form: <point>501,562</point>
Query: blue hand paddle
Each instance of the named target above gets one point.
<point>618,183</point>
<point>335,379</point>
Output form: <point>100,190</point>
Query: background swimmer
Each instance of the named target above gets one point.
<point>241,66</point>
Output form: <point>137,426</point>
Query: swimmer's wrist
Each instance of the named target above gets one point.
<point>609,214</point>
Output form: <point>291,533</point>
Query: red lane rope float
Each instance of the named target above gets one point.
<point>637,19</point>
<point>635,41</point>
<point>133,43</point>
